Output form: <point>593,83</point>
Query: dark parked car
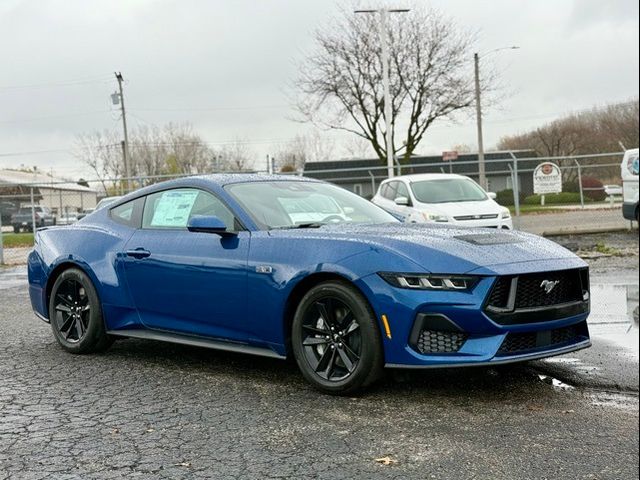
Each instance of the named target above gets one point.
<point>23,220</point>
<point>6,210</point>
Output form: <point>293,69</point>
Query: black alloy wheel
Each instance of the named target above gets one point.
<point>75,314</point>
<point>336,340</point>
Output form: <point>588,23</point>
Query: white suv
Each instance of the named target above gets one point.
<point>441,198</point>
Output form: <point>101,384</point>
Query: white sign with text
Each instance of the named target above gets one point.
<point>547,178</point>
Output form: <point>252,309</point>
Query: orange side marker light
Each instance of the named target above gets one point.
<point>385,322</point>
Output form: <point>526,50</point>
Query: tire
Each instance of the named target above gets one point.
<point>75,314</point>
<point>349,357</point>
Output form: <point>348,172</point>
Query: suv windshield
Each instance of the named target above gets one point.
<point>290,204</point>
<point>447,190</point>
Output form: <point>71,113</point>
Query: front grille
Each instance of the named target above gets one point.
<point>500,292</point>
<point>489,216</point>
<point>434,341</point>
<point>531,293</point>
<point>516,343</point>
<point>536,297</point>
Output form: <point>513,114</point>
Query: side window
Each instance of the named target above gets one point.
<point>174,208</point>
<point>128,213</point>
<point>402,190</point>
<point>391,190</point>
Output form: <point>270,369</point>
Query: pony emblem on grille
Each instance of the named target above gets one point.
<point>549,285</point>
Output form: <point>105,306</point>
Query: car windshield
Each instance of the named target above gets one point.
<point>291,204</point>
<point>447,190</point>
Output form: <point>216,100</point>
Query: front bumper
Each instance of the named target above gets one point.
<point>481,340</point>
<point>629,210</point>
<point>499,223</point>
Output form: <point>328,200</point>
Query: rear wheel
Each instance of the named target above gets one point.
<point>76,315</point>
<point>335,338</point>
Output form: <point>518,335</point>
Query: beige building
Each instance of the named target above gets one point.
<point>58,194</point>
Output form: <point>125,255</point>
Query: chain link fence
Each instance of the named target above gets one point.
<point>591,200</point>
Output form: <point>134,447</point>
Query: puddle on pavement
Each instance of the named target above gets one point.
<point>620,400</point>
<point>575,363</point>
<point>614,314</point>
<point>598,398</point>
<point>12,277</point>
<point>555,383</point>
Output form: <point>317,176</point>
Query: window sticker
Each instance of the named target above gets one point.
<point>173,208</point>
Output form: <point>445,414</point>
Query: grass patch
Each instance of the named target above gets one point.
<point>606,250</point>
<point>14,240</point>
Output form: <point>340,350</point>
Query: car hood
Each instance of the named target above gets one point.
<point>445,249</point>
<point>455,209</point>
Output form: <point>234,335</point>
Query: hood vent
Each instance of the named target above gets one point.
<point>489,238</point>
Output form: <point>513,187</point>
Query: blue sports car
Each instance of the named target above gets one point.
<point>287,266</point>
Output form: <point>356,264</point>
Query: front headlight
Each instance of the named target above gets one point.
<point>506,213</point>
<point>434,217</point>
<point>429,282</point>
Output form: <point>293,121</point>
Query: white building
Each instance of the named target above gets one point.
<point>57,194</point>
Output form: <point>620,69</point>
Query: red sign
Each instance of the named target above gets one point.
<point>449,156</point>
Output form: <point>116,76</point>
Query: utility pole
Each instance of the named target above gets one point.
<point>127,172</point>
<point>481,170</point>
<point>384,47</point>
<point>476,68</point>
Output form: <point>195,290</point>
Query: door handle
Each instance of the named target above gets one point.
<point>138,253</point>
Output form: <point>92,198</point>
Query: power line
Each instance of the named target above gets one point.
<point>62,83</point>
<point>210,109</point>
<point>34,152</point>
<point>53,117</point>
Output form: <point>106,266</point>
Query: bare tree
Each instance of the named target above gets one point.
<point>304,148</point>
<point>357,147</point>
<point>174,149</point>
<point>430,77</point>
<point>236,156</point>
<point>102,152</point>
<point>599,130</point>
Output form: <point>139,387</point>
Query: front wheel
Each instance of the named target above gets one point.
<point>336,340</point>
<point>75,314</point>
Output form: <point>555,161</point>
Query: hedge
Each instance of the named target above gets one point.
<point>555,198</point>
<point>505,197</point>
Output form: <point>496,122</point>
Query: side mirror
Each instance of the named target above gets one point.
<point>402,201</point>
<point>208,224</point>
<point>492,195</point>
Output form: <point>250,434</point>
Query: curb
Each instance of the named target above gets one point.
<point>587,231</point>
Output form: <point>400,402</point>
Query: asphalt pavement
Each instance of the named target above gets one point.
<point>152,410</point>
<point>573,221</point>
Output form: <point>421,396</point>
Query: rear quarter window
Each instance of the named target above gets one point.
<point>129,213</point>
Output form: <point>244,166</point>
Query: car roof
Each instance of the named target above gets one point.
<point>216,179</point>
<point>426,176</point>
<point>223,179</point>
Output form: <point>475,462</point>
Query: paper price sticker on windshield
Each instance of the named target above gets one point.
<point>547,178</point>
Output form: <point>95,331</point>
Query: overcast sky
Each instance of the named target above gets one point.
<point>225,67</point>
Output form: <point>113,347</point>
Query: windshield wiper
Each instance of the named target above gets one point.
<point>300,225</point>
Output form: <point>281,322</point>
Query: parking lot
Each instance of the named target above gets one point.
<point>153,410</point>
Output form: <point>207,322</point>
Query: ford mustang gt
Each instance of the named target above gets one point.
<point>287,266</point>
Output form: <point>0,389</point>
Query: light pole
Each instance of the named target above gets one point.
<point>476,67</point>
<point>384,47</point>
